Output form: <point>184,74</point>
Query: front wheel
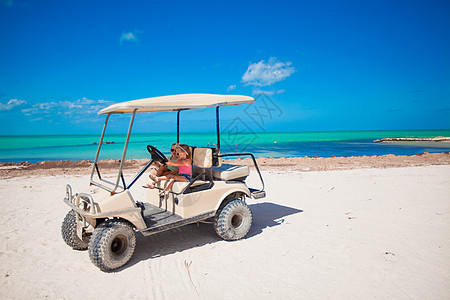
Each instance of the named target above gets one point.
<point>233,221</point>
<point>69,232</point>
<point>112,245</point>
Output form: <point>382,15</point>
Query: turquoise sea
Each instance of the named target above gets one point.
<point>34,148</point>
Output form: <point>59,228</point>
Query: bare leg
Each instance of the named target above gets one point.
<point>161,171</point>
<point>154,170</point>
<point>168,177</point>
<point>172,180</point>
<point>163,177</point>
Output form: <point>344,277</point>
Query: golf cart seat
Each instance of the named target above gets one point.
<point>178,186</point>
<point>230,172</point>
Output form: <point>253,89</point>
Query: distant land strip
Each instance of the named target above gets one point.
<point>414,139</point>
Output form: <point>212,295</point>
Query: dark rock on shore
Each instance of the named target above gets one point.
<point>414,139</point>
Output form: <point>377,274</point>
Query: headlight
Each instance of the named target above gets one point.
<point>85,203</point>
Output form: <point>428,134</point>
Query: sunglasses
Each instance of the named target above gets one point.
<point>172,150</point>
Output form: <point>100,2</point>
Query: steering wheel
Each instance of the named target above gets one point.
<point>156,154</point>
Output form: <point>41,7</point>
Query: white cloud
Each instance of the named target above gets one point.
<point>129,37</point>
<point>40,108</point>
<point>12,104</point>
<point>78,109</point>
<point>263,74</point>
<point>231,87</point>
<point>267,93</point>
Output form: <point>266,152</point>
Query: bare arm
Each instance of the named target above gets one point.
<point>184,162</point>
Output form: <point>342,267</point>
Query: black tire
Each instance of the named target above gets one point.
<point>233,221</point>
<point>69,232</point>
<point>112,245</point>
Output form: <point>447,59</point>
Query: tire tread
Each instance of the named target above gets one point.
<point>69,232</point>
<point>98,245</point>
<point>221,220</point>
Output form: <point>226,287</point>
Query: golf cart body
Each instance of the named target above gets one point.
<point>209,194</point>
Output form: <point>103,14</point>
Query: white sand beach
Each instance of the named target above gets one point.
<point>342,234</point>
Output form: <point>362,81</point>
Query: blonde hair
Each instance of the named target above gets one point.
<point>186,149</point>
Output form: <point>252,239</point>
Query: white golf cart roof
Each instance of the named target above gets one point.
<point>176,102</point>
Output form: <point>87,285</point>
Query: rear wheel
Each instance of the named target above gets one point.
<point>69,232</point>
<point>112,245</point>
<point>233,220</point>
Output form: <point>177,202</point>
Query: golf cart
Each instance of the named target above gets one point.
<point>105,220</point>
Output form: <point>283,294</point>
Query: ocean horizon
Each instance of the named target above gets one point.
<point>35,148</point>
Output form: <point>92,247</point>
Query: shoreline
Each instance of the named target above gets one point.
<point>304,164</point>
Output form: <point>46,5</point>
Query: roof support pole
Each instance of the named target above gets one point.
<point>101,138</point>
<point>178,126</point>
<point>218,129</point>
<point>122,161</point>
<point>99,146</point>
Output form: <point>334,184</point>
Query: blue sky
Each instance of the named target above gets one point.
<point>324,65</point>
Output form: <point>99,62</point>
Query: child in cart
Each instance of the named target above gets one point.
<point>184,164</point>
<point>158,169</point>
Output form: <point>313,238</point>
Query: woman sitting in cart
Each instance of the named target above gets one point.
<point>184,164</point>
<point>158,169</point>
